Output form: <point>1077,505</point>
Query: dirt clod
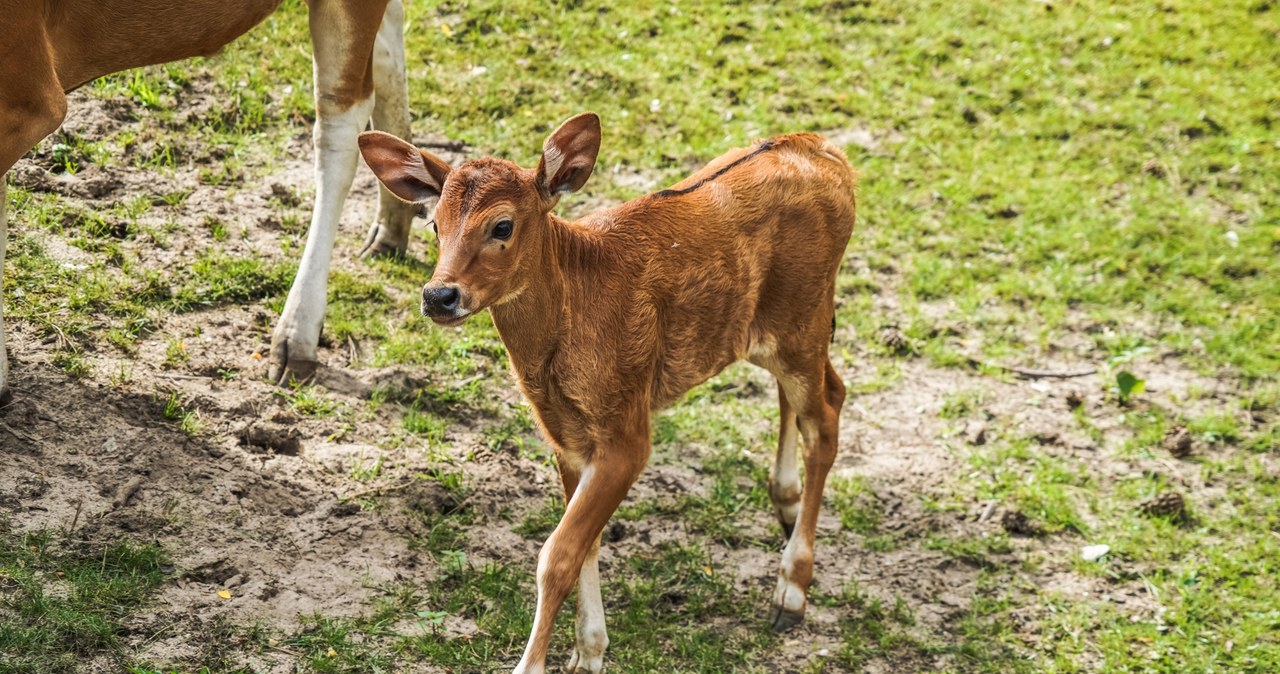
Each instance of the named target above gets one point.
<point>976,433</point>
<point>272,438</point>
<point>1178,441</point>
<point>891,338</point>
<point>1169,504</point>
<point>617,532</point>
<point>1017,523</point>
<point>285,195</point>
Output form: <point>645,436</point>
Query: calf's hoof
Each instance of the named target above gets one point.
<point>789,602</point>
<point>782,620</point>
<point>584,665</point>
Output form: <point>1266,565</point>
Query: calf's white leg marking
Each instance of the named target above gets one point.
<point>592,638</point>
<point>785,489</point>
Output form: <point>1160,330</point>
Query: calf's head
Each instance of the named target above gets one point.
<point>492,217</point>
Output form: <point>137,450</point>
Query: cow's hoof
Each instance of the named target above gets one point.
<point>286,371</point>
<point>379,243</point>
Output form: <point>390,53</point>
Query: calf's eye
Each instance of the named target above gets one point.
<point>502,230</point>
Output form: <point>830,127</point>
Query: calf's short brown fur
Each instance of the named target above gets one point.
<point>614,316</point>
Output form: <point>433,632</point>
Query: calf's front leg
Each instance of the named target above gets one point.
<point>602,484</point>
<point>591,637</point>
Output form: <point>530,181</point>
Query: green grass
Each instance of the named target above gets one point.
<point>875,630</point>
<point>188,420</point>
<point>309,401</point>
<point>1078,181</point>
<point>64,601</point>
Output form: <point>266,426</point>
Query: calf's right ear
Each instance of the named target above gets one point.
<point>411,174</point>
<point>569,156</point>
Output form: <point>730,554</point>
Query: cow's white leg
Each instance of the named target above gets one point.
<point>342,38</point>
<point>592,639</point>
<point>4,242</point>
<point>293,346</point>
<point>389,233</point>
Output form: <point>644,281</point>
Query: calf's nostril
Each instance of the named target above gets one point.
<point>448,297</point>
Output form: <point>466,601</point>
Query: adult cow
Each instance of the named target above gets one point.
<point>50,47</point>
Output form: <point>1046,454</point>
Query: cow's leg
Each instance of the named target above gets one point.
<point>4,240</point>
<point>32,103</point>
<point>32,106</point>
<point>389,234</point>
<point>342,37</point>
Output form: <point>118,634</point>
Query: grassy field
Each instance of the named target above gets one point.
<point>1044,185</point>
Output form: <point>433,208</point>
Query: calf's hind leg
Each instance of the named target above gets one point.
<point>817,394</point>
<point>784,481</point>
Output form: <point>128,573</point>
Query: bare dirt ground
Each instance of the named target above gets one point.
<point>263,501</point>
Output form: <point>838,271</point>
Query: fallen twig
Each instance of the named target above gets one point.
<point>1051,374</point>
<point>468,381</point>
<point>987,510</point>
<point>76,519</point>
<point>1029,373</point>
<point>449,145</point>
<point>284,650</point>
<point>17,434</point>
<point>353,351</point>
<point>376,491</point>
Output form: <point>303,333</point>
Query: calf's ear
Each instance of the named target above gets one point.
<point>569,155</point>
<point>411,174</point>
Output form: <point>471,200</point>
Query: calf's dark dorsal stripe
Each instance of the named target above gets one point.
<point>764,147</point>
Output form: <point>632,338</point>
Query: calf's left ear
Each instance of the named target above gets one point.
<point>569,155</point>
<point>411,174</point>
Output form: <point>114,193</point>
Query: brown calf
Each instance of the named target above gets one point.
<point>611,317</point>
<point>49,47</point>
